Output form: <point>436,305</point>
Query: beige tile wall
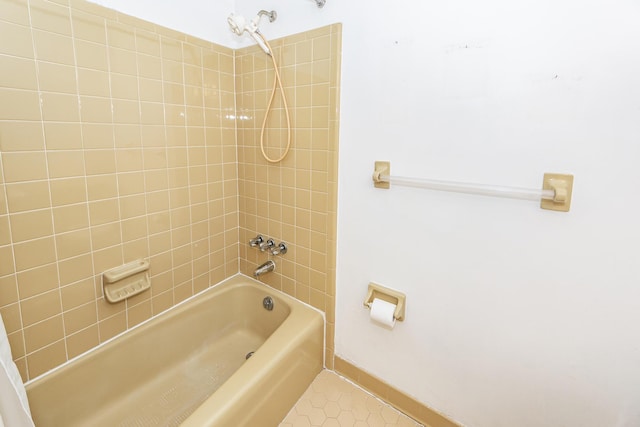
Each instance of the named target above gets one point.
<point>293,201</point>
<point>117,142</point>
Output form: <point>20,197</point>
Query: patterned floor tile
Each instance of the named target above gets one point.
<point>332,401</point>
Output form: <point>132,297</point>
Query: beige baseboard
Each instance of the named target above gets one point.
<point>391,395</point>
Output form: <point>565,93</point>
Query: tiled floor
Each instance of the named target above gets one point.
<point>332,401</point>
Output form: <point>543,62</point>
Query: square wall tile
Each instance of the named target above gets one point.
<point>28,166</point>
<point>31,225</point>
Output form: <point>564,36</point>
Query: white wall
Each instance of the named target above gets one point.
<point>516,316</point>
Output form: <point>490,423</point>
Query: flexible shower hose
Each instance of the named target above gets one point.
<point>276,82</point>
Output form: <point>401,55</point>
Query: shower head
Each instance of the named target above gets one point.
<point>236,23</point>
<point>239,25</point>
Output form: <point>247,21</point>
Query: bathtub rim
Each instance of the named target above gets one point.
<point>211,288</point>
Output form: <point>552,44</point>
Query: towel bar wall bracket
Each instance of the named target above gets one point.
<point>555,194</point>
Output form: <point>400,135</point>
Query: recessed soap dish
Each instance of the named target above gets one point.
<point>125,281</point>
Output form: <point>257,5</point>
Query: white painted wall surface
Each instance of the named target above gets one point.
<point>516,316</point>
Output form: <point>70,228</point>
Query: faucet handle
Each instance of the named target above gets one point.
<point>256,241</point>
<point>281,249</point>
<point>267,245</point>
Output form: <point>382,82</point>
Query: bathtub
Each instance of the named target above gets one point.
<point>189,366</point>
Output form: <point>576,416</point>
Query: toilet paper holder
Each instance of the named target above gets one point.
<point>388,295</point>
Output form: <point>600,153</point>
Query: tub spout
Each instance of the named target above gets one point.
<point>267,267</point>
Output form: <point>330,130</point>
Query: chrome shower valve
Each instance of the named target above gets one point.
<point>256,241</point>
<point>266,245</point>
<point>281,249</point>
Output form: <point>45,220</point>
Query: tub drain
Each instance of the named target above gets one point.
<point>249,355</point>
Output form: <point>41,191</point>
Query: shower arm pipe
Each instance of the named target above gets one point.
<point>271,15</point>
<point>555,194</point>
